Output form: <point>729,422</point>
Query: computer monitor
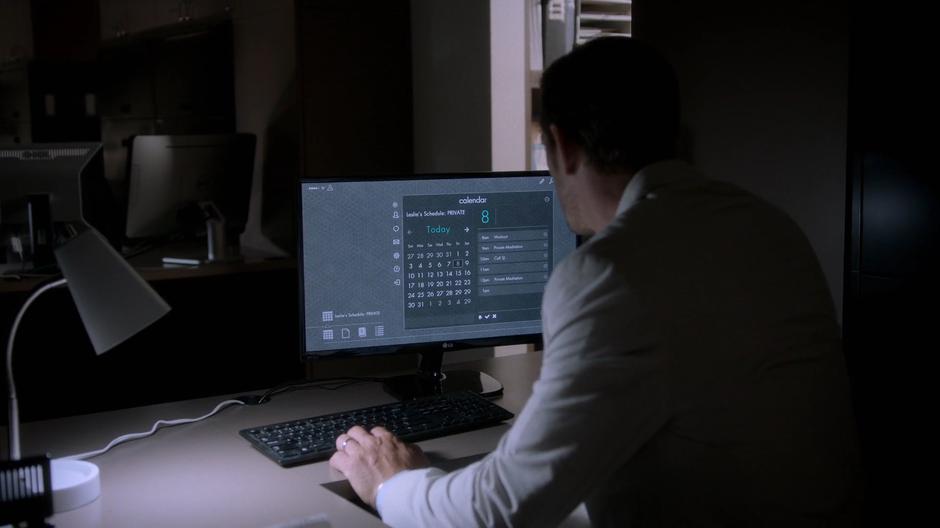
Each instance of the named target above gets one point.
<point>427,264</point>
<point>46,191</point>
<point>173,178</point>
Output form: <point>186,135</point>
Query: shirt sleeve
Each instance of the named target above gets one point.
<point>600,396</point>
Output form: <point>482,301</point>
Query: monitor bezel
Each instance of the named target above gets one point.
<point>63,185</point>
<point>413,348</point>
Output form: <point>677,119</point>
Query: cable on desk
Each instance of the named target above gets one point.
<point>338,383</point>
<point>325,383</point>
<point>134,436</point>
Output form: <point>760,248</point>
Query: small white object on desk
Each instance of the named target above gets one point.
<point>176,261</point>
<point>74,483</point>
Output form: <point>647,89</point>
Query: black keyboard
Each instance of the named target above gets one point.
<point>312,439</point>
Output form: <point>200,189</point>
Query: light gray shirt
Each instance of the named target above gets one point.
<point>692,375</point>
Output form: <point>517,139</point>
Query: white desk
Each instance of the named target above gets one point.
<point>205,474</point>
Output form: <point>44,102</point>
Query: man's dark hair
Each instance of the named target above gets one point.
<point>616,97</point>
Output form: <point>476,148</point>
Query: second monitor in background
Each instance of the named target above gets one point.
<point>190,186</point>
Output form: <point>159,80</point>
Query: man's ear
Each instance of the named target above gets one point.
<point>568,152</point>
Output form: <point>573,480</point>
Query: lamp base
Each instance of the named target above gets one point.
<point>74,483</point>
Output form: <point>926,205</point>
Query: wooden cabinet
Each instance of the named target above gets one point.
<point>16,36</point>
<point>47,101</point>
<point>121,18</point>
<point>14,93</point>
<point>125,87</point>
<point>196,9</point>
<point>16,132</point>
<point>62,101</point>
<point>356,92</point>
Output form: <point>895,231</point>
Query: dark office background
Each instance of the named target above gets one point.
<point>824,108</point>
<point>893,250</point>
<point>326,88</point>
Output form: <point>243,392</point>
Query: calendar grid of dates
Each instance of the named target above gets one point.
<point>475,260</point>
<point>439,274</point>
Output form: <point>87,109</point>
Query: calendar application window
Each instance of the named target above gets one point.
<point>476,259</point>
<point>425,260</point>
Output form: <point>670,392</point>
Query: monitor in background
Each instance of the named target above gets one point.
<point>427,264</point>
<point>46,191</point>
<point>179,183</point>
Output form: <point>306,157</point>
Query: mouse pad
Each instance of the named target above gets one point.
<point>344,490</point>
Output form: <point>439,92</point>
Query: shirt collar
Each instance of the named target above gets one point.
<point>655,176</point>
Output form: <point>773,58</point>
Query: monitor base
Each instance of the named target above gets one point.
<point>421,384</point>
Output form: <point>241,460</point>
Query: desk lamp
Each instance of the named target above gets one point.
<point>114,303</point>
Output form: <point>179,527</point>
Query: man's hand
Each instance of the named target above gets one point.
<point>369,458</point>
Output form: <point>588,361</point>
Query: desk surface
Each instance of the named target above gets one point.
<point>151,268</point>
<point>156,272</point>
<point>205,474</point>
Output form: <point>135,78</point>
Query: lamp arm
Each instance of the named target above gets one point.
<point>14,413</point>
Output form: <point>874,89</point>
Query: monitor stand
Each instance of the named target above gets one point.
<point>431,379</point>
<point>217,249</point>
<point>29,246</point>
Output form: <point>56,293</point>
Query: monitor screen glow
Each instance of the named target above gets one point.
<point>437,261</point>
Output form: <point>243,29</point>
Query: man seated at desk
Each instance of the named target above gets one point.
<point>693,372</point>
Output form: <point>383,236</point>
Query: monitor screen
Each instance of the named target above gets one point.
<point>433,261</point>
<point>170,175</point>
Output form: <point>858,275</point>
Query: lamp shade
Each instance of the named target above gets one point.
<point>113,301</point>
